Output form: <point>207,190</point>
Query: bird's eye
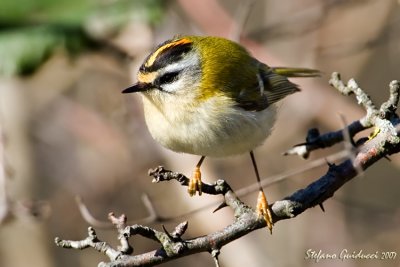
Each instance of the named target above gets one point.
<point>168,77</point>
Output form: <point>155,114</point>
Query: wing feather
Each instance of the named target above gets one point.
<point>272,85</point>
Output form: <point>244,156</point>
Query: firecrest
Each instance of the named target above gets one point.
<point>208,96</point>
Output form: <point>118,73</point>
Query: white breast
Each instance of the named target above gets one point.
<point>208,129</point>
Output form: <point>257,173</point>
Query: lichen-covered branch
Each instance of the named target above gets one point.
<point>90,241</point>
<point>315,140</point>
<point>384,142</point>
<point>381,118</point>
<point>172,244</point>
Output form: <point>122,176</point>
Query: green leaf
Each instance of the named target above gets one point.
<point>30,31</point>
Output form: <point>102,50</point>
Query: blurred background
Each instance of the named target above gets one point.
<point>66,129</point>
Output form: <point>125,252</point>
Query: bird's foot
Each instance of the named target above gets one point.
<point>263,210</point>
<point>195,182</point>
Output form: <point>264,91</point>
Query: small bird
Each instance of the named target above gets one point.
<point>208,96</point>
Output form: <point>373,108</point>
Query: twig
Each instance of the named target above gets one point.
<point>91,241</point>
<point>389,107</point>
<point>374,117</point>
<point>90,219</point>
<point>315,140</point>
<point>215,253</point>
<point>120,224</point>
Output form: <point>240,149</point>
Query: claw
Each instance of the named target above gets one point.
<point>263,210</point>
<point>195,182</point>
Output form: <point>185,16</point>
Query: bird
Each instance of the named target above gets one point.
<point>209,96</point>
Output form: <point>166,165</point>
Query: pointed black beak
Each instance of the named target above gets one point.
<point>138,87</point>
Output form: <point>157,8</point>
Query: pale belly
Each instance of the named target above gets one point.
<point>208,131</point>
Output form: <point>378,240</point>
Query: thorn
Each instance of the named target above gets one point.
<point>387,158</point>
<point>166,232</point>
<point>221,206</point>
<point>321,205</point>
<point>330,165</point>
<point>302,144</point>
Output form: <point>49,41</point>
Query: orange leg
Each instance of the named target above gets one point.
<point>262,203</point>
<point>195,181</point>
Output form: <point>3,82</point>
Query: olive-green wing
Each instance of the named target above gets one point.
<point>271,86</point>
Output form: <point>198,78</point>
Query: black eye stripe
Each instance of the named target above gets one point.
<point>168,77</point>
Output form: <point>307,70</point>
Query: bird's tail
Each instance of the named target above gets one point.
<point>296,72</point>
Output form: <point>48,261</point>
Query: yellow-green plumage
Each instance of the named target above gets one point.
<point>234,70</point>
<point>223,60</point>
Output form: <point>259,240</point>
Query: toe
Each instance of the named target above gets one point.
<point>195,183</point>
<point>263,210</point>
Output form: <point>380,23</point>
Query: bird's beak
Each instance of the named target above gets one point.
<point>138,87</point>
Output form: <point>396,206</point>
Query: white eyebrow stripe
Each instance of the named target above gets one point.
<point>189,69</point>
<point>189,61</point>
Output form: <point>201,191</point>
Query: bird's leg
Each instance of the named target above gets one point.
<point>195,181</point>
<point>262,203</point>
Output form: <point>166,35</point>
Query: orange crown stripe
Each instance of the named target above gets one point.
<point>147,78</point>
<point>153,57</point>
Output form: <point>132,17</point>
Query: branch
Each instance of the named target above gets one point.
<point>384,142</point>
<point>90,219</point>
<point>374,117</point>
<point>172,245</point>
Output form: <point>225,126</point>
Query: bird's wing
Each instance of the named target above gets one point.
<point>271,86</point>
